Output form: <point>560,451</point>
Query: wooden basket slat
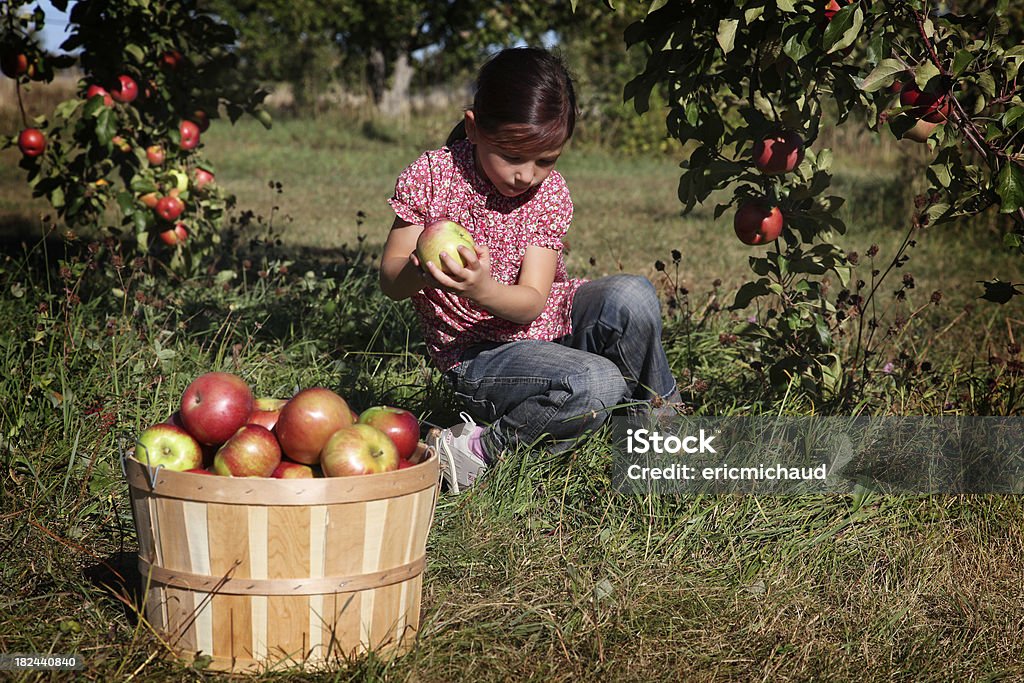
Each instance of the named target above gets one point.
<point>169,529</point>
<point>229,543</point>
<point>343,539</point>
<point>343,633</point>
<point>143,524</point>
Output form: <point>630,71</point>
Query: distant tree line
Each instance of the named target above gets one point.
<point>388,47</point>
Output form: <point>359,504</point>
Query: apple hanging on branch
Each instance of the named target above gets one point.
<point>14,63</point>
<point>756,222</point>
<point>32,142</point>
<point>125,89</point>
<point>99,91</point>
<point>174,236</point>
<point>169,208</point>
<point>779,153</point>
<point>189,132</point>
<point>925,105</point>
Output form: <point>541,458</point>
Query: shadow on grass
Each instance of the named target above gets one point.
<point>118,580</point>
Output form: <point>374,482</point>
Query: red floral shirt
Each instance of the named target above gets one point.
<point>444,184</point>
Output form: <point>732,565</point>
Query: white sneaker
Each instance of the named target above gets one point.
<point>460,466</point>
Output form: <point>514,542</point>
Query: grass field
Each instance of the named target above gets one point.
<point>543,572</point>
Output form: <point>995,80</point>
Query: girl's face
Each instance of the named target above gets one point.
<point>513,172</point>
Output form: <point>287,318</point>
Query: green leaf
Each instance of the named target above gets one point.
<point>961,61</point>
<point>844,28</point>
<point>925,73</point>
<point>987,84</point>
<point>135,52</point>
<point>798,45</point>
<point>141,184</point>
<point>727,34</point>
<point>57,198</point>
<point>881,76</point>
<point>654,7</point>
<point>1010,187</point>
<point>106,127</point>
<point>1012,115</point>
<point>94,106</point>
<point>748,292</point>
<point>788,6</point>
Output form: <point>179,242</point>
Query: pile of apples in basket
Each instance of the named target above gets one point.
<point>221,428</point>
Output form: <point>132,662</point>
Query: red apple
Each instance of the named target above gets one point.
<point>155,154</point>
<point>172,60</point>
<point>150,199</point>
<point>169,208</point>
<point>831,8</point>
<point>125,90</point>
<point>929,106</point>
<point>98,91</point>
<point>442,237</point>
<point>203,178</point>
<point>404,464</point>
<point>292,470</point>
<point>169,446</point>
<point>215,405</point>
<point>201,119</point>
<point>32,142</point>
<point>266,412</point>
<point>189,135</point>
<point>400,425</point>
<point>121,143</point>
<point>358,449</point>
<point>779,153</point>
<point>307,421</point>
<point>920,131</point>
<point>176,235</point>
<point>755,223</point>
<point>252,451</point>
<point>14,64</point>
<point>200,470</point>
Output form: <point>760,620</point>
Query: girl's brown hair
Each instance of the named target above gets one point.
<point>525,100</point>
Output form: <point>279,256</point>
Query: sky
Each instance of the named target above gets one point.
<point>53,33</point>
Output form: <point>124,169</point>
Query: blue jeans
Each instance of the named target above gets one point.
<point>557,390</point>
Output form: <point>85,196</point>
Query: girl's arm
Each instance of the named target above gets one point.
<point>519,303</point>
<point>400,277</point>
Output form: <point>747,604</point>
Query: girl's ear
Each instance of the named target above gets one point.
<point>470,123</point>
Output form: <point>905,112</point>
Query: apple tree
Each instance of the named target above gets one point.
<point>747,83</point>
<point>126,152</point>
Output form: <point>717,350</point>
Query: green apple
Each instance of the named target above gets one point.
<point>169,446</point>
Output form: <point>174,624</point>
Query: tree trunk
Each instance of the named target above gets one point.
<point>377,74</point>
<point>395,100</point>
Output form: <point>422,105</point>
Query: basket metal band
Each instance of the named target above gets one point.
<point>313,586</point>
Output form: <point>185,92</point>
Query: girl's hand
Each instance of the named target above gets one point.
<point>469,280</point>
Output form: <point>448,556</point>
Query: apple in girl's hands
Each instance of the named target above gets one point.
<point>443,237</point>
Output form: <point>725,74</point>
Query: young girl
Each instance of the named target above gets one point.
<point>531,352</point>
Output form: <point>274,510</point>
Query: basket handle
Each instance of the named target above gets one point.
<point>152,473</point>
